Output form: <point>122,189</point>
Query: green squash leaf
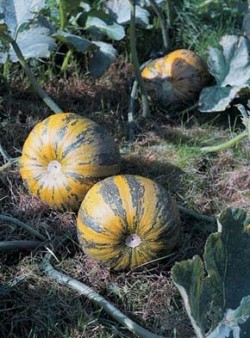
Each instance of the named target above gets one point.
<point>121,11</point>
<point>67,9</point>
<point>100,22</point>
<point>217,98</point>
<point>188,276</point>
<point>217,288</point>
<point>231,321</point>
<point>3,26</point>
<point>34,38</point>
<point>246,24</point>
<point>34,43</point>
<point>102,58</point>
<point>74,41</point>
<point>236,53</point>
<point>17,12</point>
<point>147,3</point>
<point>230,66</point>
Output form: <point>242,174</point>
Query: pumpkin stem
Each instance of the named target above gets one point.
<point>54,167</point>
<point>133,241</point>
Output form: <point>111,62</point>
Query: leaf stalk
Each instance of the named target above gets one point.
<point>39,90</point>
<point>225,145</point>
<point>135,61</point>
<point>85,290</point>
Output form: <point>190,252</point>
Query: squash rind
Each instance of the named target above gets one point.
<point>84,150</point>
<point>177,77</point>
<point>123,205</point>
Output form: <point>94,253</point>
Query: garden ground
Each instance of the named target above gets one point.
<point>166,150</point>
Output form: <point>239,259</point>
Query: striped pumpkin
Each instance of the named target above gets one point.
<point>63,156</point>
<point>177,77</point>
<point>127,220</point>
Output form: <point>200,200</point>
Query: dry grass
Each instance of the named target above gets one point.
<point>166,151</point>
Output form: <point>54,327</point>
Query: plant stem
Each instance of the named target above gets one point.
<point>132,106</point>
<point>131,112</point>
<point>66,60</point>
<point>169,13</point>
<point>24,226</point>
<point>5,155</point>
<point>135,61</point>
<point>192,213</point>
<point>18,245</point>
<point>225,145</point>
<point>6,69</point>
<point>7,159</point>
<point>9,163</point>
<point>42,93</point>
<point>164,26</point>
<point>85,290</point>
<point>62,15</point>
<point>189,109</point>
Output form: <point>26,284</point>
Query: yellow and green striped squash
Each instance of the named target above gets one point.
<point>127,220</point>
<point>177,77</point>
<point>64,156</point>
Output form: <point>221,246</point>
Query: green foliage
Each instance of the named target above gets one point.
<point>38,26</point>
<point>67,9</point>
<point>20,22</point>
<point>230,66</point>
<point>102,22</point>
<point>211,10</point>
<point>81,26</point>
<point>121,10</point>
<point>79,16</point>
<point>215,290</point>
<point>200,24</point>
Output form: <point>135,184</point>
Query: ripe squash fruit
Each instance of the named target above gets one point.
<point>127,220</point>
<point>63,156</point>
<point>177,77</point>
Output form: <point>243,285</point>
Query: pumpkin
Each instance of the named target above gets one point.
<point>177,77</point>
<point>127,220</point>
<point>63,156</point>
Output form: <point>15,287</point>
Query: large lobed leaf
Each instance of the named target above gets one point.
<point>100,22</point>
<point>67,9</point>
<point>103,53</point>
<point>18,12</point>
<point>230,66</point>
<point>73,41</point>
<point>34,43</point>
<point>121,11</point>
<point>216,290</point>
<point>102,58</point>
<point>33,39</point>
